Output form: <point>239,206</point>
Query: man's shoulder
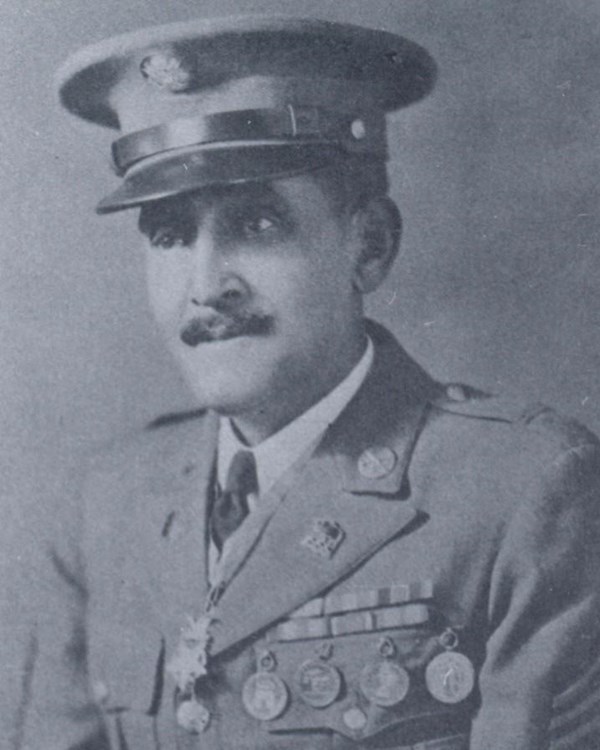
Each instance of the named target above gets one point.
<point>507,424</point>
<point>154,446</point>
<point>463,413</point>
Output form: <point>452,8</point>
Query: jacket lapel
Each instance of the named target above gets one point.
<point>172,518</point>
<point>345,484</point>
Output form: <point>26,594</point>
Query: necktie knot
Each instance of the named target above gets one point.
<point>230,506</point>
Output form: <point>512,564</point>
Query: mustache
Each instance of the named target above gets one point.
<point>220,326</point>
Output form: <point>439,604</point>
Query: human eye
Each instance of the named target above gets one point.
<point>258,224</point>
<point>166,238</point>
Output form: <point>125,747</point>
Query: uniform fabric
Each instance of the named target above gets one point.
<point>492,503</point>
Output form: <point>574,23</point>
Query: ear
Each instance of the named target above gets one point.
<point>378,227</point>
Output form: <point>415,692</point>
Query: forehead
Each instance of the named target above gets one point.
<point>294,196</point>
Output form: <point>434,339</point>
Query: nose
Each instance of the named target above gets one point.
<point>214,280</point>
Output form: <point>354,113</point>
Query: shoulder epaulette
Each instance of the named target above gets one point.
<point>174,418</point>
<point>471,402</point>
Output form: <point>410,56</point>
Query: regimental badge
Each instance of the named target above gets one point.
<point>384,683</point>
<point>319,683</point>
<point>325,538</point>
<point>450,677</point>
<point>265,696</point>
<point>190,660</point>
<point>167,71</point>
<point>377,462</point>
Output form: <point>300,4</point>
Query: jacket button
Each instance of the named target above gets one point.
<point>100,692</point>
<point>456,393</point>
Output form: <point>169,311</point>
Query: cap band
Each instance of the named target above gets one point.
<point>365,133</point>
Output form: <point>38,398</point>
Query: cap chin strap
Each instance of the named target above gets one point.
<point>361,133</point>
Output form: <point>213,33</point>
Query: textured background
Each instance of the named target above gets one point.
<point>496,175</point>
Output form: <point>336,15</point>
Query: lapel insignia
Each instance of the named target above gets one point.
<point>377,462</point>
<point>325,538</point>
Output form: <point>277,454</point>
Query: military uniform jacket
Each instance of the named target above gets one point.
<point>422,525</point>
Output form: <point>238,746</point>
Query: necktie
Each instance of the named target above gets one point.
<point>230,506</point>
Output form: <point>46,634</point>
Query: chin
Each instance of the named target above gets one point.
<point>238,376</point>
<point>227,390</point>
<point>225,399</point>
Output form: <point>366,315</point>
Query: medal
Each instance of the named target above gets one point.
<point>450,677</point>
<point>193,716</point>
<point>189,662</point>
<point>355,719</point>
<point>265,696</point>
<point>319,683</point>
<point>384,683</point>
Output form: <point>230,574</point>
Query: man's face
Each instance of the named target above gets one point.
<point>252,286</point>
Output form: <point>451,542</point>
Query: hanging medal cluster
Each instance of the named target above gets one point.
<point>189,667</point>
<point>385,680</point>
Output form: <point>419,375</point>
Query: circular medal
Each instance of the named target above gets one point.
<point>450,677</point>
<point>193,716</point>
<point>319,683</point>
<point>384,683</point>
<point>355,719</point>
<point>265,696</point>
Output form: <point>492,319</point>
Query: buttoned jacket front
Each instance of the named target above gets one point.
<point>492,505</point>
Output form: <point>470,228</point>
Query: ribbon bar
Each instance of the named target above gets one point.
<point>365,598</point>
<point>407,615</point>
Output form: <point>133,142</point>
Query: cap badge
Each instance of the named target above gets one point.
<point>325,538</point>
<point>167,71</point>
<point>376,463</point>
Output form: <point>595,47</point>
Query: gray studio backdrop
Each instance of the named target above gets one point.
<point>497,284</point>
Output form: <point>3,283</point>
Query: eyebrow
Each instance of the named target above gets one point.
<point>181,207</point>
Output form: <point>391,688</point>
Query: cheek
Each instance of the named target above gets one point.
<point>312,291</point>
<point>166,283</point>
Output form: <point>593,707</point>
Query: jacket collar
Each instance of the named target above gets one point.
<point>382,422</point>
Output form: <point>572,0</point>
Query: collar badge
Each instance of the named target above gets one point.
<point>324,538</point>
<point>377,462</point>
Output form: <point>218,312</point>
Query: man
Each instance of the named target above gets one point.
<point>334,551</point>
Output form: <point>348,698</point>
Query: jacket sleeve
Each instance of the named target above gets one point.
<point>540,681</point>
<point>57,711</point>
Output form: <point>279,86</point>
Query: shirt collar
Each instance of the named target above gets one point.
<point>275,455</point>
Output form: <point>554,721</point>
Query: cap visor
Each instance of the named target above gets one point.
<point>192,170</point>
